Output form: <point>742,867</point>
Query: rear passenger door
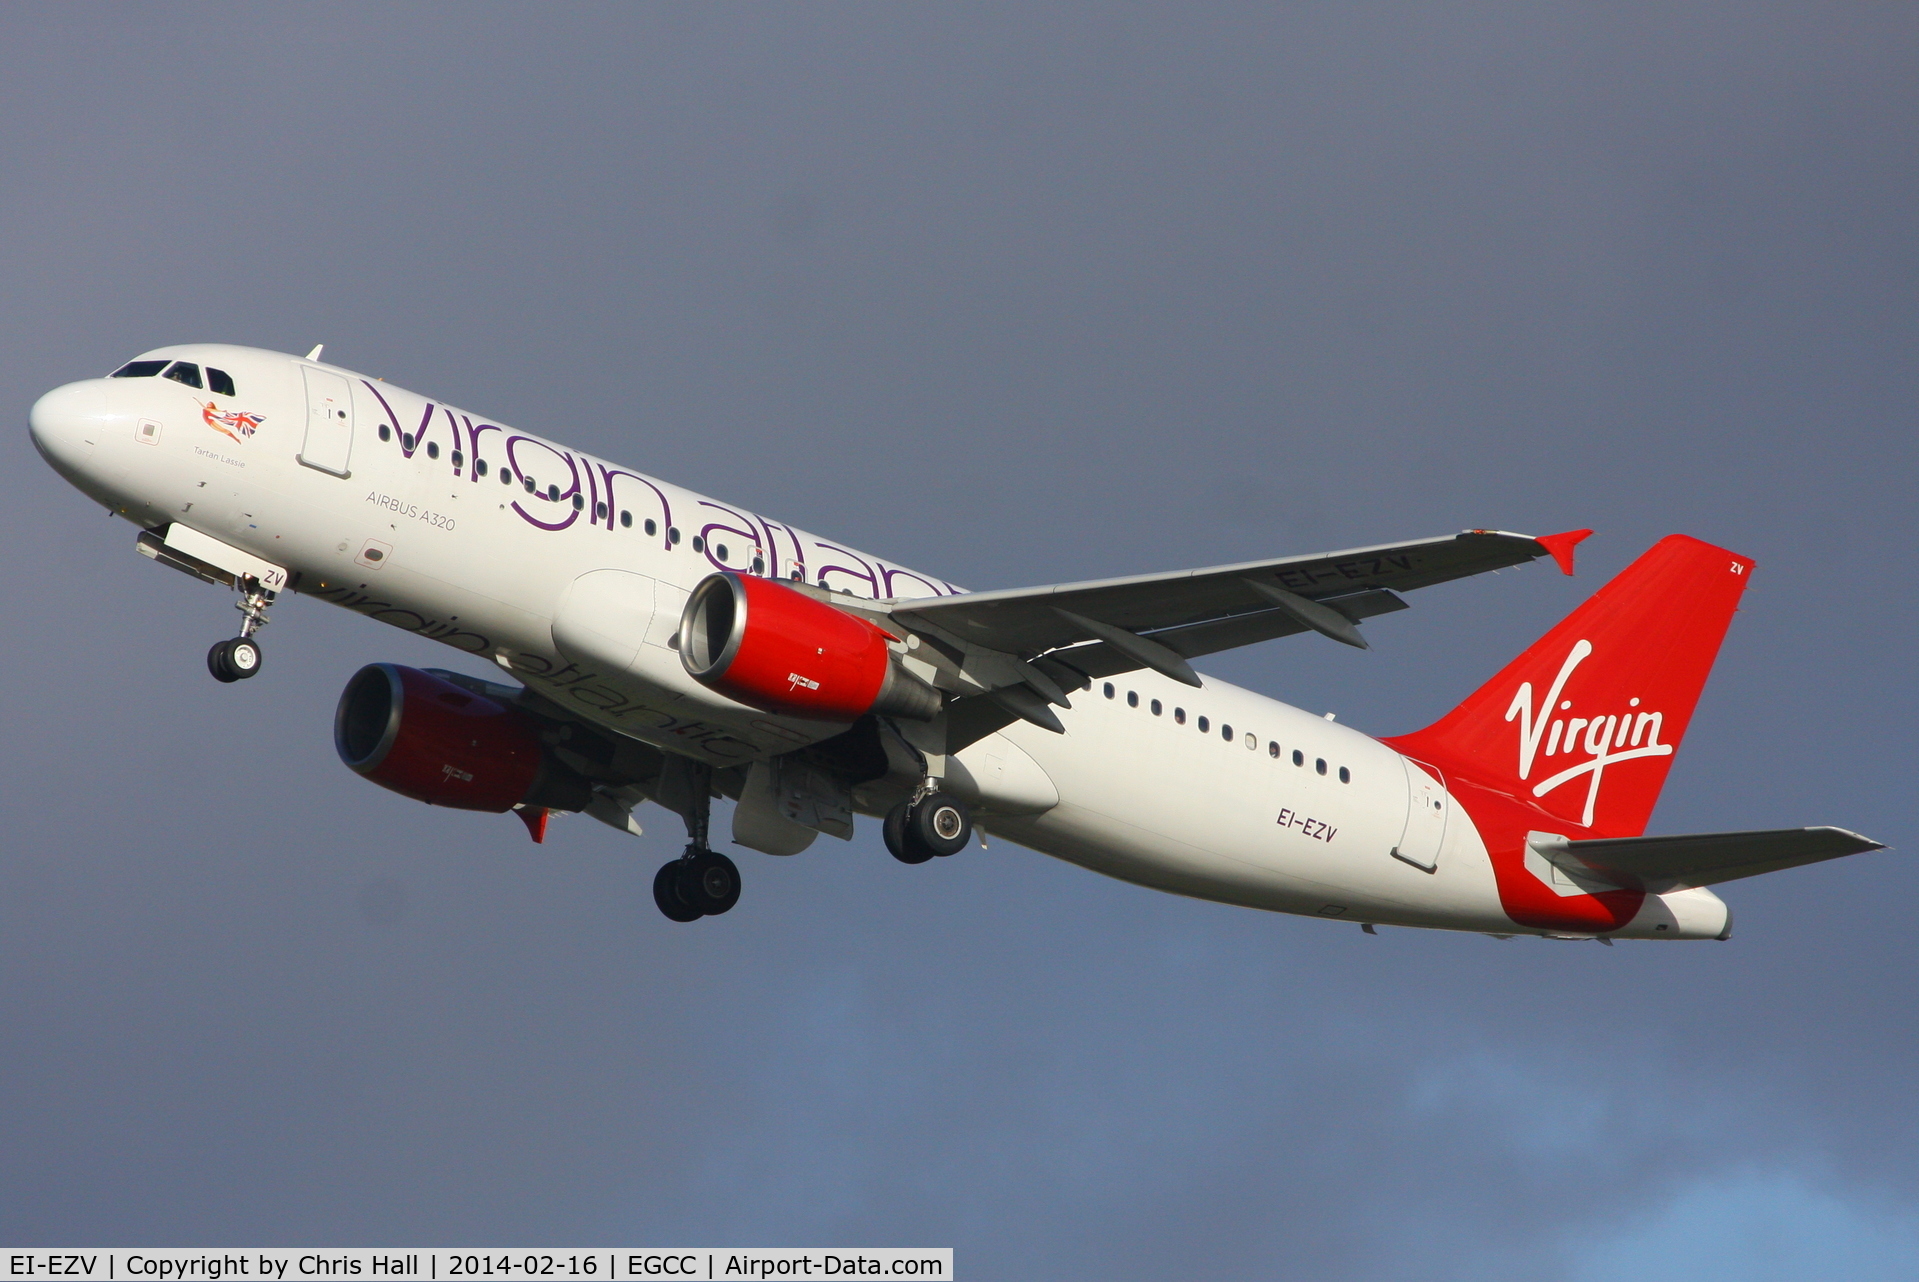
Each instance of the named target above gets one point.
<point>1425,816</point>
<point>329,435</point>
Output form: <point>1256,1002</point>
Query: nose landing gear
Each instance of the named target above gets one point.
<point>240,658</point>
<point>931,826</point>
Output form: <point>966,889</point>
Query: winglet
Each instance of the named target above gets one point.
<point>1561,546</point>
<point>314,355</point>
<point>534,817</point>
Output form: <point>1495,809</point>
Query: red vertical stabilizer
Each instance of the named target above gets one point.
<point>1576,735</point>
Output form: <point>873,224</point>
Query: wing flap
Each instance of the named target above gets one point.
<point>1660,864</point>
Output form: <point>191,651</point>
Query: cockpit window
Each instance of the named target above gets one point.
<point>184,372</point>
<point>139,369</point>
<point>218,380</point>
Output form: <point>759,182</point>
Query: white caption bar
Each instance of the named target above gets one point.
<point>472,1264</point>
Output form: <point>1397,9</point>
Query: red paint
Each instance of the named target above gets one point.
<point>1631,663</point>
<point>801,657</point>
<point>534,817</point>
<point>1561,546</point>
<point>428,739</point>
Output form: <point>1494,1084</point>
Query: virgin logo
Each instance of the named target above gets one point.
<point>1606,739</point>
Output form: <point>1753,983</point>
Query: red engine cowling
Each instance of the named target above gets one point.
<point>426,738</point>
<point>770,647</point>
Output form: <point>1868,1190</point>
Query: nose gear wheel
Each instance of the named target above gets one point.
<point>234,660</point>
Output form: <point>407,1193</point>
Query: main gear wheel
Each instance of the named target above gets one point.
<point>934,826</point>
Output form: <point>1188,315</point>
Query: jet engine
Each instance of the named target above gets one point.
<point>777,649</point>
<point>428,739</point>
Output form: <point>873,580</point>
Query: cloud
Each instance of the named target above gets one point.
<point>1757,1225</point>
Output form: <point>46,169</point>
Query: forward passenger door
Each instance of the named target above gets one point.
<point>329,435</point>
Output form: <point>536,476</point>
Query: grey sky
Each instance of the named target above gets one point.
<point>1013,294</point>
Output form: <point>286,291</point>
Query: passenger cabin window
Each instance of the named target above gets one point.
<point>650,528</point>
<point>626,520</point>
<point>184,372</point>
<point>218,380</point>
<point>1299,758</point>
<point>1320,765</point>
<point>1157,707</point>
<point>433,449</point>
<point>1132,698</point>
<point>1204,725</point>
<point>1345,775</point>
<point>1272,750</point>
<point>1109,689</point>
<point>139,369</point>
<point>1179,716</point>
<point>386,433</point>
<point>1226,733</point>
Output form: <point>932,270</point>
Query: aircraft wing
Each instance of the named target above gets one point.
<point>1011,653</point>
<point>1668,863</point>
<point>1199,611</point>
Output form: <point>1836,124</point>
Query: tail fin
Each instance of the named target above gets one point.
<point>1583,725</point>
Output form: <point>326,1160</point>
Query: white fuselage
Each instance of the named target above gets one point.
<point>571,573</point>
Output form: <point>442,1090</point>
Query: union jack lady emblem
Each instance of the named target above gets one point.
<point>234,423</point>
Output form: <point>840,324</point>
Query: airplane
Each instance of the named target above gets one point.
<point>649,644</point>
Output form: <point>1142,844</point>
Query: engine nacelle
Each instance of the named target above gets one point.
<point>428,739</point>
<point>770,647</point>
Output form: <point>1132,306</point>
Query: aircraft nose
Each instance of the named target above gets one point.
<point>67,422</point>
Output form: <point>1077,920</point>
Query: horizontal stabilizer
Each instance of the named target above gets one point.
<point>1659,864</point>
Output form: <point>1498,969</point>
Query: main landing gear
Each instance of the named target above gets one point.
<point>240,658</point>
<point>701,882</point>
<point>924,827</point>
<point>704,883</point>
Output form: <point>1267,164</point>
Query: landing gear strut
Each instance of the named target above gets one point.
<point>240,658</point>
<point>701,882</point>
<point>922,828</point>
